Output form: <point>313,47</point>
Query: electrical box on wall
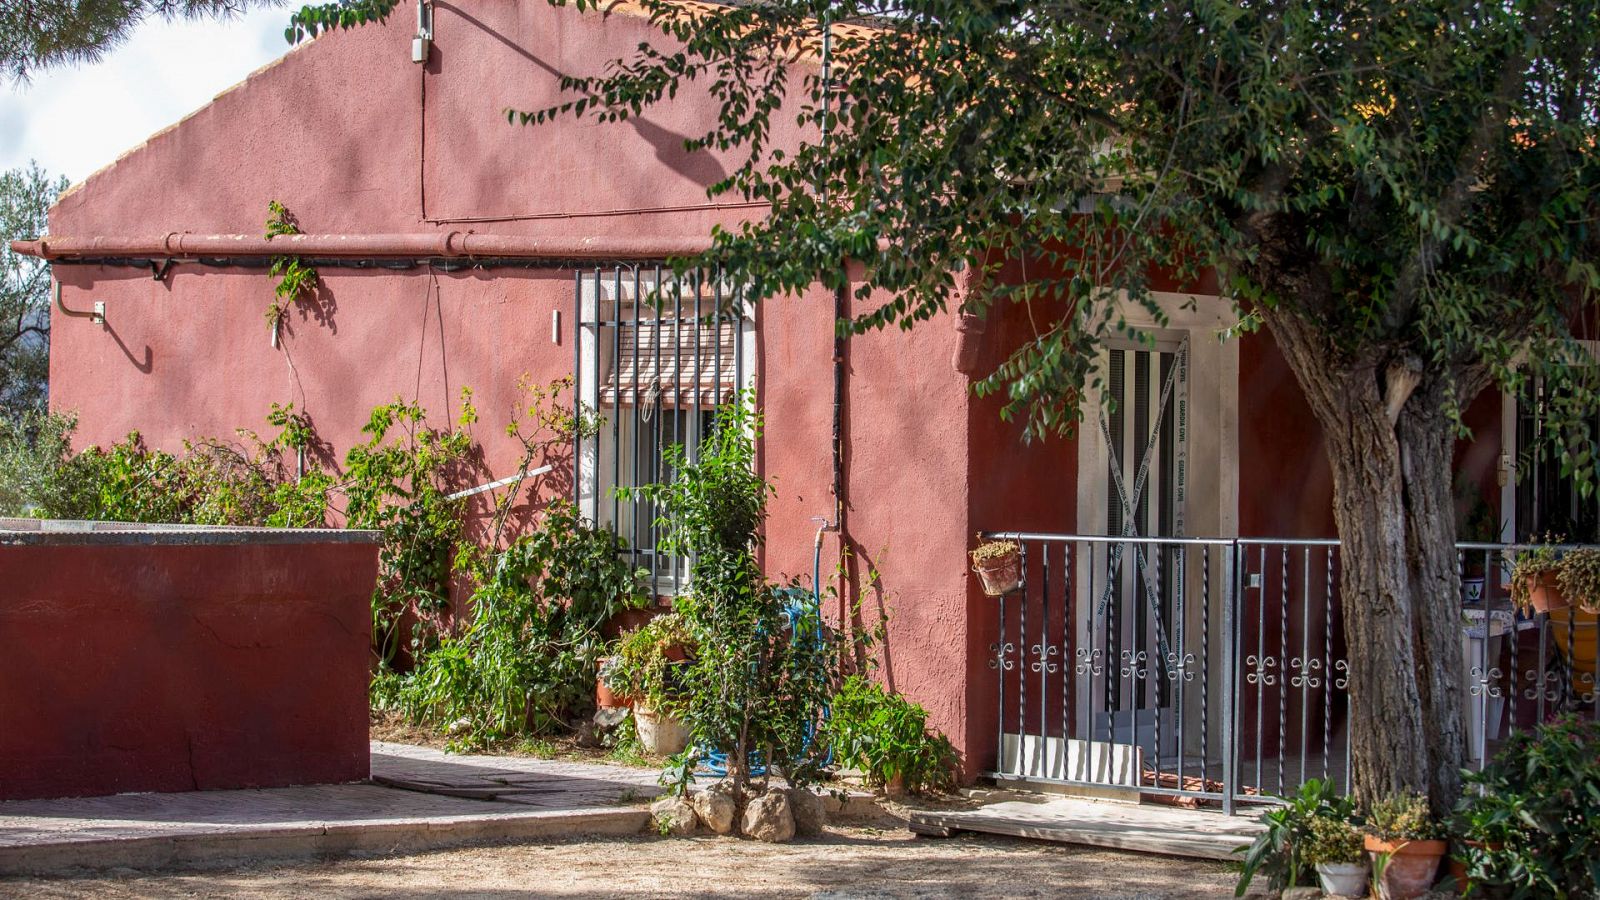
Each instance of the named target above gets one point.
<point>423,42</point>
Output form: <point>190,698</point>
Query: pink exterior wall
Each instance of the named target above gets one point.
<point>188,660</point>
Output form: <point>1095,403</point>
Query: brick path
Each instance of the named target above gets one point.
<point>445,800</point>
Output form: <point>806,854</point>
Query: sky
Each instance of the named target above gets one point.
<point>75,119</point>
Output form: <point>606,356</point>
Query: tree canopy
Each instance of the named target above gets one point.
<point>38,34</point>
<point>1413,180</point>
<point>25,198</point>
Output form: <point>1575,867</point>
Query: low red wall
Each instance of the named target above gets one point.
<point>182,659</point>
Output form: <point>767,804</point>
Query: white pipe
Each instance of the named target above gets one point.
<point>462,495</point>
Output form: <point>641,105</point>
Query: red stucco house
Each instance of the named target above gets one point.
<point>459,251</point>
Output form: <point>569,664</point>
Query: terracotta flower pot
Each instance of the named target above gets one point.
<point>629,620</point>
<point>605,697</point>
<point>1412,868</point>
<point>1544,595</point>
<point>1000,575</point>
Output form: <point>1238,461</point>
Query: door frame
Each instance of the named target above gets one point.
<point>1211,503</point>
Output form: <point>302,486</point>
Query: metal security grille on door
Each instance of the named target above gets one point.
<point>1097,671</point>
<point>1144,425</point>
<point>656,356</point>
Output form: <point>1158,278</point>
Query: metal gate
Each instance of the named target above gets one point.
<point>1250,671</point>
<point>1100,703</point>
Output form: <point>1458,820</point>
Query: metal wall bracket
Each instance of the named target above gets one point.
<point>96,315</point>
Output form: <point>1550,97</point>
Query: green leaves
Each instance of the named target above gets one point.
<point>888,737</point>
<point>26,194</point>
<point>296,280</point>
<point>1414,180</point>
<point>527,661</point>
<point>763,663</point>
<point>1278,853</point>
<point>314,19</point>
<point>1534,813</point>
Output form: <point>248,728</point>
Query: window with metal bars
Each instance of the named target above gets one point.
<point>656,356</point>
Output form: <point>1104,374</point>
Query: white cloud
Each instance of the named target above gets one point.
<point>75,119</point>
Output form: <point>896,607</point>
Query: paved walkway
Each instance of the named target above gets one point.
<point>421,799</point>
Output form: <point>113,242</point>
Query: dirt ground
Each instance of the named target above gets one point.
<point>858,862</point>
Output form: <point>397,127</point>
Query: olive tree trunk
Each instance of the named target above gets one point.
<point>1389,441</point>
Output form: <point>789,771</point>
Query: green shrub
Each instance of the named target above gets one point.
<point>761,677</point>
<point>398,482</point>
<point>38,474</point>
<point>1536,807</point>
<point>209,483</point>
<point>1331,840</point>
<point>887,737</point>
<point>527,661</point>
<point>1404,817</point>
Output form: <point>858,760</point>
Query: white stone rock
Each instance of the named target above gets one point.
<point>716,810</point>
<point>674,816</point>
<point>806,807</point>
<point>768,818</point>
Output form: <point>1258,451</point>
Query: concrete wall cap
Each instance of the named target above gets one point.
<point>58,532</point>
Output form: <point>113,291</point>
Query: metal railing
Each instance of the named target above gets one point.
<point>1214,671</point>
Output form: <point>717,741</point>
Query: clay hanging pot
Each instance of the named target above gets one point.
<point>999,575</point>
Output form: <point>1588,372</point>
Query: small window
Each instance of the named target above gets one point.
<point>655,366</point>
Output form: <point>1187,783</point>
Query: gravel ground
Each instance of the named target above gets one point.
<point>852,862</point>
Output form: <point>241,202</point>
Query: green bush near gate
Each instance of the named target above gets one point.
<point>888,738</point>
<point>1279,853</point>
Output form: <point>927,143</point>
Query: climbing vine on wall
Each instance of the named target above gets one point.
<point>295,278</point>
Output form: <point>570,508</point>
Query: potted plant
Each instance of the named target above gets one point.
<point>649,666</point>
<point>888,738</point>
<point>1279,851</point>
<point>999,566</point>
<point>604,696</point>
<point>1406,844</point>
<point>1578,578</point>
<point>1534,585</point>
<point>1333,846</point>
<point>1483,825</point>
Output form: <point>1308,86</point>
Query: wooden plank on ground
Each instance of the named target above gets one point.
<point>1150,829</point>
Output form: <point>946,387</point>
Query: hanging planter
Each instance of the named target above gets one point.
<point>999,567</point>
